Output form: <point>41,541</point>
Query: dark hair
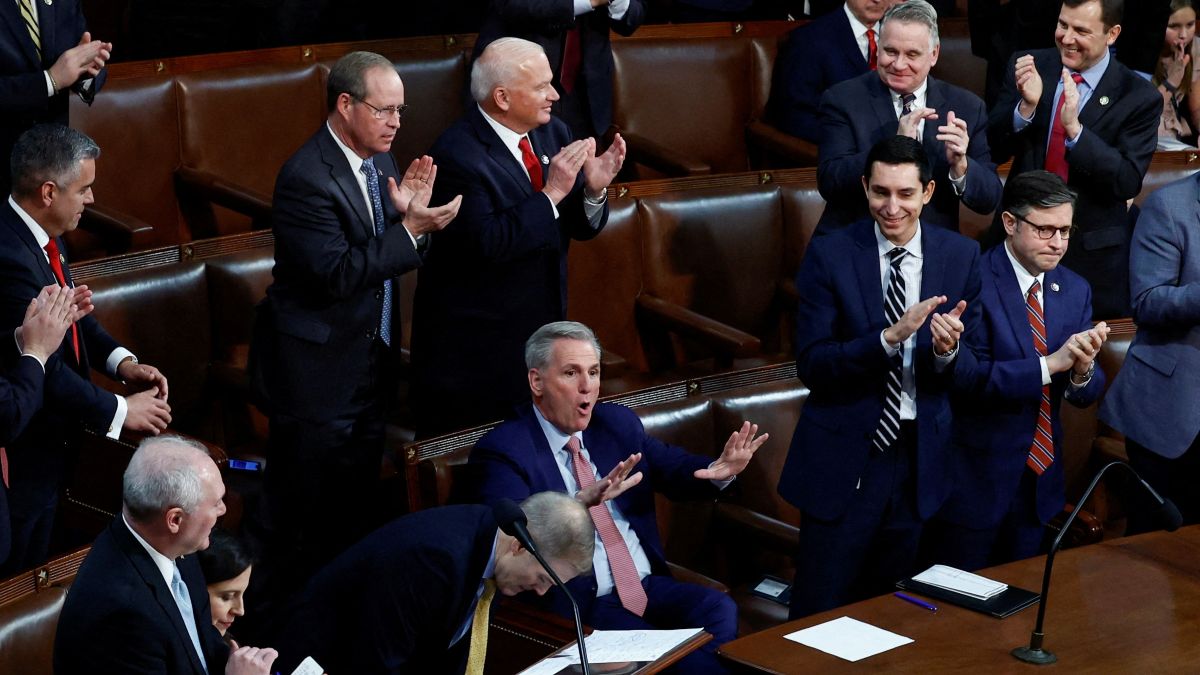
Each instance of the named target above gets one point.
<point>1035,189</point>
<point>1111,11</point>
<point>48,152</point>
<point>899,150</point>
<point>348,76</point>
<point>226,557</point>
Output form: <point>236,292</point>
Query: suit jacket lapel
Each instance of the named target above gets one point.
<point>843,35</point>
<point>866,267</point>
<point>343,176</point>
<point>1052,303</point>
<point>934,99</point>
<point>22,233</point>
<point>10,16</point>
<point>1109,88</point>
<point>544,464</point>
<point>46,25</point>
<point>881,102</point>
<point>933,271</point>
<point>500,154</point>
<point>1011,299</point>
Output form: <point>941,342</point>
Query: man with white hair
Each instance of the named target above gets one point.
<point>499,271</point>
<point>139,603</point>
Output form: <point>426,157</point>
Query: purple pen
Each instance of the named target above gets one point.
<point>916,601</point>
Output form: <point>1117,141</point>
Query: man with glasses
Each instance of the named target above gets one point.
<point>1035,347</point>
<point>499,272</point>
<point>327,339</point>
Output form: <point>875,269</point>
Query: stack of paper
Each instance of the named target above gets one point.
<point>952,579</point>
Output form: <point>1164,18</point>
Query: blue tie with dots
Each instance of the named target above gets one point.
<point>385,321</point>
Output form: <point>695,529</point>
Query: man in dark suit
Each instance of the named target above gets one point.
<point>1155,396</point>
<point>405,599</point>
<point>1036,346</point>
<point>45,54</point>
<point>576,42</point>
<point>53,171</point>
<point>500,270</point>
<point>901,99</point>
<point>1100,142</point>
<point>836,47</point>
<point>139,603</point>
<point>327,338</point>
<point>21,388</point>
<point>566,442</point>
<point>869,460</point>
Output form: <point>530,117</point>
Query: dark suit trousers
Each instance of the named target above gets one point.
<point>674,604</point>
<point>873,545</point>
<point>1017,536</point>
<point>1176,479</point>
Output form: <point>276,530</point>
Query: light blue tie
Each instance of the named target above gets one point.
<point>183,600</point>
<point>385,321</point>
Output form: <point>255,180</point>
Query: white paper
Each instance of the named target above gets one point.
<point>619,646</point>
<point>308,667</point>
<point>953,579</point>
<point>848,638</point>
<point>549,666</point>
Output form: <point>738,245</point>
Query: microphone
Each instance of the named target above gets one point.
<point>1166,511</point>
<point>512,521</point>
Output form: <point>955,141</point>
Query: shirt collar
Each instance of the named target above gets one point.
<point>352,159</point>
<point>913,246</point>
<point>507,136</point>
<point>38,233</point>
<point>898,99</point>
<point>1024,278</point>
<point>1092,75</point>
<point>857,27</point>
<point>489,572</point>
<point>556,439</point>
<point>166,566</point>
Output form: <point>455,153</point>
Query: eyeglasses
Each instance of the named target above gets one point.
<point>380,113</point>
<point>1047,231</point>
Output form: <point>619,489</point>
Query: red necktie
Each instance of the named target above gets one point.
<point>532,165</point>
<point>4,466</point>
<point>1056,151</point>
<point>624,572</point>
<point>570,60</point>
<point>871,62</point>
<point>56,265</point>
<point>1041,453</point>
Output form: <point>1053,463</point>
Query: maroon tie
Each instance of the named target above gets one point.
<point>532,165</point>
<point>570,60</point>
<point>624,572</point>
<point>871,49</point>
<point>1056,151</point>
<point>56,265</point>
<point>1041,453</point>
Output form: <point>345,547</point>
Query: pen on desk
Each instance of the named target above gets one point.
<point>919,603</point>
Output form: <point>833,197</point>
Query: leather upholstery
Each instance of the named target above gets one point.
<point>27,628</point>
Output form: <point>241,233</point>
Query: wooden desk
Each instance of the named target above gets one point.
<point>1127,605</point>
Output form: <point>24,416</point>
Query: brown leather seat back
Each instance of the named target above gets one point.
<point>27,629</point>
<point>242,124</point>
<point>802,208</point>
<point>717,252</point>
<point>604,279</point>
<point>136,124</point>
<point>956,64</point>
<point>236,284</point>
<point>763,50</point>
<point>435,87</point>
<point>692,95</point>
<point>162,315</point>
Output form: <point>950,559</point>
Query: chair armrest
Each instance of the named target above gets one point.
<point>727,341</point>
<point>661,158</point>
<point>1106,449</point>
<point>1087,528</point>
<point>772,141</point>
<point>222,192</point>
<point>681,573</point>
<point>763,529</point>
<point>124,231</point>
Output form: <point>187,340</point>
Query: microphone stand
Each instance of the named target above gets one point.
<point>583,659</point>
<point>1033,653</point>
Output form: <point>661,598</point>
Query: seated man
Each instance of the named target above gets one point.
<point>1036,347</point>
<point>408,597</point>
<point>566,442</point>
<point>139,604</point>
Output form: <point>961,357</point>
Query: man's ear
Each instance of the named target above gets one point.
<point>1010,223</point>
<point>174,519</point>
<point>535,382</point>
<point>500,98</point>
<point>47,192</point>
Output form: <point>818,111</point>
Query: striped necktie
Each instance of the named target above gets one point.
<point>29,16</point>
<point>1041,453</point>
<point>888,429</point>
<point>372,175</point>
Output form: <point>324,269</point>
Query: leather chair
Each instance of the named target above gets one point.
<point>29,607</point>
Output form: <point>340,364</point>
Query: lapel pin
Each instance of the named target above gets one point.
<point>1103,100</point>
<point>1054,286</point>
<point>545,159</point>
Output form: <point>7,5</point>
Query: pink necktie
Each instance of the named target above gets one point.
<point>624,572</point>
<point>1056,151</point>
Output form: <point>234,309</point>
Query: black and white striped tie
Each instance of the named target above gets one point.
<point>893,308</point>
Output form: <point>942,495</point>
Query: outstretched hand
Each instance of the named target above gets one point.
<point>411,198</point>
<point>740,447</point>
<point>613,485</point>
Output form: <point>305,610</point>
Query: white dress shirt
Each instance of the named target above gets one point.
<point>860,33</point>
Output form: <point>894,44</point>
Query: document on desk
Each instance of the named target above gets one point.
<point>605,646</point>
<point>953,579</point>
<point>848,638</point>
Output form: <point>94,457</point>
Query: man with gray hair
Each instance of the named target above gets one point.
<point>500,270</point>
<point>900,98</point>
<point>600,453</point>
<point>53,168</point>
<point>139,603</point>
<point>326,347</point>
<point>408,597</point>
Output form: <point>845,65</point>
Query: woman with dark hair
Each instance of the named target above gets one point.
<point>226,564</point>
<point>1178,79</point>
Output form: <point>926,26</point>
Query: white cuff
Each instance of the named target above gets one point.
<point>118,421</point>
<point>115,358</point>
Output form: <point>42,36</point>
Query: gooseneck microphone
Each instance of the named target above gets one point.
<point>512,521</point>
<point>1167,513</point>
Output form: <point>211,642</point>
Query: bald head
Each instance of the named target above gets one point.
<point>501,64</point>
<point>173,494</point>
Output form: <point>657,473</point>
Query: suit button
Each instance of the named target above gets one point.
<point>379,295</point>
<point>371,334</point>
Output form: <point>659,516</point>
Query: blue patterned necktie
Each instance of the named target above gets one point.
<point>385,321</point>
<point>893,308</point>
<point>183,600</point>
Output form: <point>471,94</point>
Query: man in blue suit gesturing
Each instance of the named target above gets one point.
<point>869,461</point>
<point>1035,346</point>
